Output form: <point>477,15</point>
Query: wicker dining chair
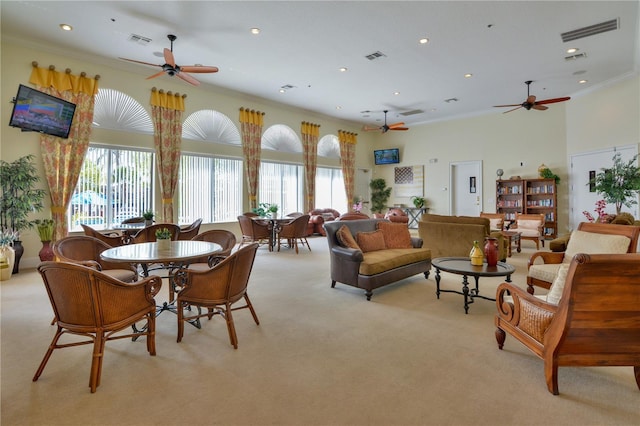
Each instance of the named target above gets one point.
<point>295,231</point>
<point>113,239</point>
<point>217,290</point>
<point>92,304</point>
<point>254,231</point>
<point>148,234</point>
<point>227,241</point>
<point>190,231</point>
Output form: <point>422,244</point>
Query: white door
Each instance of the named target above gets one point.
<point>583,166</point>
<point>465,198</point>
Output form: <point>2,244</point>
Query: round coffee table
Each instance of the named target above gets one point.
<point>462,266</point>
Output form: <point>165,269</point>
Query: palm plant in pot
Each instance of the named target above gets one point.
<point>379,195</point>
<point>620,183</point>
<point>19,198</point>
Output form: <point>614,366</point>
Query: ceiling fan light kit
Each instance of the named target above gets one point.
<point>172,69</point>
<point>531,102</point>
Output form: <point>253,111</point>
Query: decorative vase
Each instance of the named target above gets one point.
<point>164,244</point>
<point>148,222</point>
<point>491,251</point>
<point>476,255</point>
<point>45,253</point>
<point>19,251</point>
<point>7,259</point>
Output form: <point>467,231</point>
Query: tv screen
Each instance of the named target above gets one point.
<point>386,156</point>
<point>36,111</point>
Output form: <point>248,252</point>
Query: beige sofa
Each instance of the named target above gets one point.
<point>453,236</point>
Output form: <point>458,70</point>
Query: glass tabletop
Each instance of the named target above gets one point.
<point>177,251</point>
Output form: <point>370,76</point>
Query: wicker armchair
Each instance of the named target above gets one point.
<point>190,231</point>
<point>295,231</point>
<point>254,231</point>
<point>216,289</point>
<point>595,323</point>
<point>148,234</point>
<point>227,241</point>
<point>113,239</point>
<point>89,303</point>
<point>85,250</point>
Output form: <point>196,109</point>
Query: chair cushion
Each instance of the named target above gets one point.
<point>592,243</point>
<point>396,235</point>
<point>345,238</point>
<point>495,223</point>
<point>528,224</point>
<point>124,275</point>
<point>545,272</point>
<point>555,292</point>
<point>371,241</point>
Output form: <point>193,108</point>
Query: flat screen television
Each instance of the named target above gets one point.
<point>386,156</point>
<point>35,111</point>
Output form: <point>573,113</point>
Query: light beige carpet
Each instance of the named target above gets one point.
<point>320,356</point>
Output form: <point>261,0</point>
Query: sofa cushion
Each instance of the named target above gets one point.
<point>396,235</point>
<point>592,243</point>
<point>380,261</point>
<point>557,287</point>
<point>371,241</point>
<point>345,238</point>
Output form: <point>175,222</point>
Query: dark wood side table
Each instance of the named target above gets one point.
<point>462,266</point>
<point>512,237</point>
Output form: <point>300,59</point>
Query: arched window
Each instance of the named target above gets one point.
<point>212,126</point>
<point>281,138</point>
<point>328,146</point>
<point>117,111</point>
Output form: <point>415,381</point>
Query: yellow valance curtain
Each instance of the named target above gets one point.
<point>62,158</point>
<point>348,143</point>
<point>310,135</point>
<point>251,123</point>
<point>166,112</point>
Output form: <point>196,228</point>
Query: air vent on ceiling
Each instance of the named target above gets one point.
<point>288,87</point>
<point>412,112</point>
<point>576,56</point>
<point>602,27</point>
<point>375,55</point>
<point>139,39</point>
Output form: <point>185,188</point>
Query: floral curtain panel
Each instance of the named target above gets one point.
<point>251,123</point>
<point>166,112</point>
<point>310,135</point>
<point>348,142</point>
<point>62,158</point>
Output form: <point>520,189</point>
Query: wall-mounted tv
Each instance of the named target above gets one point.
<point>35,111</point>
<point>386,156</point>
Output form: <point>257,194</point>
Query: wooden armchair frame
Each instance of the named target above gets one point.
<point>596,322</point>
<point>499,219</point>
<point>536,239</point>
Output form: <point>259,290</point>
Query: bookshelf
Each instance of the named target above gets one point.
<point>529,196</point>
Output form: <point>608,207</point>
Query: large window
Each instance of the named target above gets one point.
<point>330,189</point>
<point>282,184</point>
<point>209,188</point>
<point>114,184</point>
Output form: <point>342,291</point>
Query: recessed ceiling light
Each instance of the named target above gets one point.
<point>572,50</point>
<point>582,81</point>
<point>338,107</point>
<point>66,27</point>
<point>343,69</point>
<point>396,93</point>
<point>255,30</point>
<point>468,75</point>
<point>282,90</point>
<point>424,40</point>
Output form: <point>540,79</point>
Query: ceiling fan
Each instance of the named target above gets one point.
<point>385,127</point>
<point>171,68</point>
<point>532,103</point>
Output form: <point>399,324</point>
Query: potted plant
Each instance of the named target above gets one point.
<point>45,232</point>
<point>265,209</point>
<point>19,198</point>
<point>148,217</point>
<point>417,201</point>
<point>7,255</point>
<point>163,238</point>
<point>620,183</point>
<point>379,195</point>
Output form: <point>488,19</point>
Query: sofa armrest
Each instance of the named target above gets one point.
<point>417,242</point>
<point>353,255</point>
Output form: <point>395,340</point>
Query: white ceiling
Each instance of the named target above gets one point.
<point>304,43</point>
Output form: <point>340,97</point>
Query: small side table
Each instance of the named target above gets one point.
<point>513,237</point>
<point>414,214</point>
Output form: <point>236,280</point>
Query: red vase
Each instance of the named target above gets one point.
<point>491,251</point>
<point>45,252</point>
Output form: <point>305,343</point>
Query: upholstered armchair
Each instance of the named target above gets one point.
<point>496,220</point>
<point>531,227</point>
<point>588,238</point>
<point>317,217</point>
<point>588,318</point>
<point>397,215</point>
<point>353,216</point>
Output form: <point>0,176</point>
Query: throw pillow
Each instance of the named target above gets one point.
<point>557,287</point>
<point>345,238</point>
<point>592,243</point>
<point>370,241</point>
<point>396,235</point>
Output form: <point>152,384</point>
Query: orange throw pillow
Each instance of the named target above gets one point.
<point>371,241</point>
<point>396,235</point>
<point>345,238</point>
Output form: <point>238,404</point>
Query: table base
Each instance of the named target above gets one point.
<point>469,294</point>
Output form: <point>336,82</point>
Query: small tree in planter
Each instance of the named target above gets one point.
<point>620,183</point>
<point>379,195</point>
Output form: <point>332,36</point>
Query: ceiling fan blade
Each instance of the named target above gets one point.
<point>140,62</point>
<point>553,101</point>
<point>519,106</point>
<point>540,107</point>
<point>398,128</point>
<point>168,57</point>
<point>399,124</point>
<point>370,128</point>
<point>186,77</point>
<point>510,105</point>
<point>530,99</point>
<point>155,75</point>
<point>198,69</point>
